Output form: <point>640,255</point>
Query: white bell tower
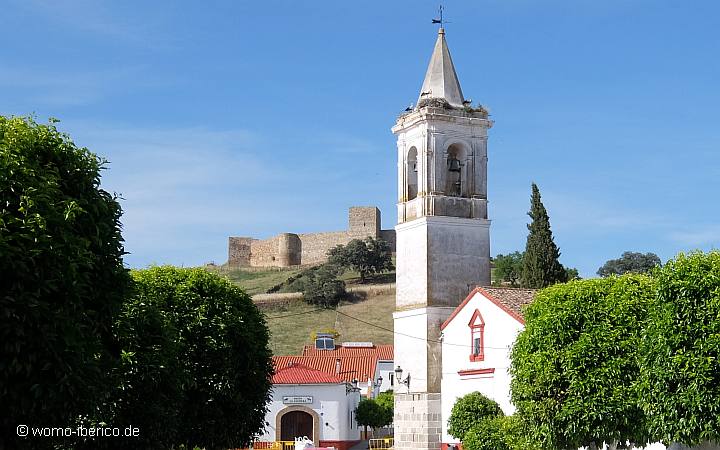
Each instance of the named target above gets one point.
<point>443,237</point>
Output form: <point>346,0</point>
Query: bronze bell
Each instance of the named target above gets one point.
<point>453,164</point>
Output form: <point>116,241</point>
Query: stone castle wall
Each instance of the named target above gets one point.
<point>289,249</point>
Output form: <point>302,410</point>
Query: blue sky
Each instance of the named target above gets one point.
<point>253,118</point>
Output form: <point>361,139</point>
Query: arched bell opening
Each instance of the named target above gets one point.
<point>411,170</point>
<point>455,176</point>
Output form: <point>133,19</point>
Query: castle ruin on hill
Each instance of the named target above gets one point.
<point>290,249</point>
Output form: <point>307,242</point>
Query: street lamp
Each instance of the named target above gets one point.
<point>398,377</point>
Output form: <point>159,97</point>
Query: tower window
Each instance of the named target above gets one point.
<point>477,338</point>
<point>411,174</point>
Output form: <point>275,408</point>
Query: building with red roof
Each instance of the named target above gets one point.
<point>312,403</point>
<point>315,394</point>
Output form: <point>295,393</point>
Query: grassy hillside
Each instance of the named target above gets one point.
<point>255,280</point>
<point>292,326</point>
<point>293,323</point>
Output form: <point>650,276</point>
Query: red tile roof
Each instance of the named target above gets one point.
<point>300,374</point>
<point>384,352</point>
<point>351,367</point>
<point>511,300</point>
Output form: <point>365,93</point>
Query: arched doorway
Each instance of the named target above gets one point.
<point>296,424</point>
<point>297,421</point>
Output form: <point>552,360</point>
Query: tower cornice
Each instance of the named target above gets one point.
<point>426,114</point>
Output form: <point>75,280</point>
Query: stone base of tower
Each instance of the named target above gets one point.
<point>417,422</point>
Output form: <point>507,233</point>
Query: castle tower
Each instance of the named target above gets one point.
<point>443,237</point>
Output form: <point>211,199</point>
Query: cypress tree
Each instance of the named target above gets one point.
<point>541,266</point>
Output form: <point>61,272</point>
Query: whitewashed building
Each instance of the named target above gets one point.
<point>476,343</point>
<point>312,403</point>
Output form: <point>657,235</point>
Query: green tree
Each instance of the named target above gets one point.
<point>196,367</point>
<point>508,268</point>
<point>470,410</point>
<point>62,279</point>
<point>630,262</point>
<point>541,266</point>
<point>387,400</point>
<point>575,365</point>
<point>320,286</point>
<point>680,356</point>
<point>367,257</point>
<point>371,413</point>
<point>497,433</point>
<point>571,274</point>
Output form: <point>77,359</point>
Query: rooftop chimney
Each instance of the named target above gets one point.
<point>337,366</point>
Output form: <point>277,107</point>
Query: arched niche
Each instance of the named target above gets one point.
<point>411,170</point>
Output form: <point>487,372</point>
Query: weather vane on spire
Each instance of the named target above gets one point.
<point>440,21</point>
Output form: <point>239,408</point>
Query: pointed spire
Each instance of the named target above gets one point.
<point>440,79</point>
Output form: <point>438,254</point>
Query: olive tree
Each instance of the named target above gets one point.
<point>62,279</point>
<point>575,365</point>
<point>680,356</point>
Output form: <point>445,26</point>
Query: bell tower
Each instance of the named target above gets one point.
<point>443,237</point>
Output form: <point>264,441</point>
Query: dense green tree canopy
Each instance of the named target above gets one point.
<point>62,278</point>
<point>367,256</point>
<point>575,365</point>
<point>196,365</point>
<point>630,262</point>
<point>387,400</point>
<point>508,268</point>
<point>680,365</point>
<point>320,286</point>
<point>373,413</point>
<point>497,433</point>
<point>541,265</point>
<point>470,410</point>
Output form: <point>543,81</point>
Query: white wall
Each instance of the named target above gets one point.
<point>501,330</point>
<point>330,401</point>
<point>386,370</point>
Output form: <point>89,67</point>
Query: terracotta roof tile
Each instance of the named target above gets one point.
<point>301,374</point>
<point>384,352</point>
<point>351,367</point>
<point>513,298</point>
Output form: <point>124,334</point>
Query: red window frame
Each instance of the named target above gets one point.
<point>477,331</point>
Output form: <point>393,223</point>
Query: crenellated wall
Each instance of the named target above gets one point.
<point>289,249</point>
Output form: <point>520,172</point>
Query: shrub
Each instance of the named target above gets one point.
<point>470,410</point>
<point>575,365</point>
<point>321,287</point>
<point>197,366</point>
<point>680,354</point>
<point>497,433</point>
